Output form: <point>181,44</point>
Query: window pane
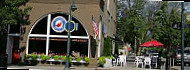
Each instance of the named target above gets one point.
<point>15,28</point>
<point>52,32</point>
<point>37,45</point>
<point>80,45</point>
<point>80,32</point>
<point>58,46</point>
<point>40,27</point>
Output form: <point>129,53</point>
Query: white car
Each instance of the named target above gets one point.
<point>186,57</point>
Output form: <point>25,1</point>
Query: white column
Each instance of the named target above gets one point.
<point>48,33</point>
<point>9,47</point>
<point>89,47</point>
<point>113,46</point>
<point>99,38</point>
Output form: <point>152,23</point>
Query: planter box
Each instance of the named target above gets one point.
<point>108,63</point>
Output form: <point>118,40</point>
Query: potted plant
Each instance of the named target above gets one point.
<point>56,57</point>
<point>33,56</point>
<point>86,59</point>
<point>78,59</point>
<point>63,58</point>
<point>101,61</point>
<point>26,56</point>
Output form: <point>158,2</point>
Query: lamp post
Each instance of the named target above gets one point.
<point>71,8</point>
<point>182,36</point>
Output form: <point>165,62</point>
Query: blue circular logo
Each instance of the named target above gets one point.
<point>58,24</point>
<point>72,25</point>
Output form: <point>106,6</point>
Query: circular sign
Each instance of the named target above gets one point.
<point>72,24</point>
<point>58,24</point>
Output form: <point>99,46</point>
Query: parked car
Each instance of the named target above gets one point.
<point>186,56</point>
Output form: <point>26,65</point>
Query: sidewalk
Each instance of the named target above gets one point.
<point>57,67</point>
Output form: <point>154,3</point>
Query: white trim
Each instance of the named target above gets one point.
<point>14,34</point>
<point>34,35</point>
<point>48,32</point>
<point>89,47</point>
<point>37,35</point>
<point>65,36</point>
<point>27,43</point>
<point>99,39</point>
<point>58,36</point>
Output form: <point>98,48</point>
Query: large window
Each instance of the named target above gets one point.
<point>37,45</point>
<point>43,39</point>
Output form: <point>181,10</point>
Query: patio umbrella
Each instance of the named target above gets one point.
<point>151,43</point>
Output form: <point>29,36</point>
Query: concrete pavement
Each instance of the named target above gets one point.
<point>130,66</point>
<point>75,68</point>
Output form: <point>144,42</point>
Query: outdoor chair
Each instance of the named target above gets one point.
<point>114,62</point>
<point>155,61</point>
<point>147,61</point>
<point>122,60</point>
<point>138,61</point>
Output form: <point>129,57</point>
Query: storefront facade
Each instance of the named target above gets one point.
<point>39,37</point>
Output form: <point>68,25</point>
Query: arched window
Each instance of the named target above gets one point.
<point>43,39</point>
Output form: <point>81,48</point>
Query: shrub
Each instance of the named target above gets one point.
<point>46,57</point>
<point>107,47</point>
<point>26,56</point>
<point>110,57</point>
<point>70,59</point>
<point>56,57</point>
<point>63,58</point>
<point>78,59</point>
<point>33,56</point>
<point>86,59</point>
<point>101,60</point>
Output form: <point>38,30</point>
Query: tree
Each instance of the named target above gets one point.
<point>131,24</point>
<point>11,14</point>
<point>107,50</point>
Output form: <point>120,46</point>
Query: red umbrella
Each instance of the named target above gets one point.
<point>152,43</point>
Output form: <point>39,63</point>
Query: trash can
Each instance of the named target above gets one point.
<point>3,60</point>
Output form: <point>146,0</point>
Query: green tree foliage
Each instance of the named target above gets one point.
<point>164,31</point>
<point>132,23</point>
<point>107,47</point>
<point>152,20</point>
<point>10,13</point>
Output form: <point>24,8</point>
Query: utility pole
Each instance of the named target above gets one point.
<point>71,8</point>
<point>182,36</point>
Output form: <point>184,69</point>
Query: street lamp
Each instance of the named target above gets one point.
<point>182,36</point>
<point>71,8</point>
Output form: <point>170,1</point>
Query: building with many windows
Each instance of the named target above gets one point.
<point>40,36</point>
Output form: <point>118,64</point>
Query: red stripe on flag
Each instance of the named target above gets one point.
<point>95,27</point>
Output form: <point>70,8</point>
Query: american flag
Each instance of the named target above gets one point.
<point>95,27</point>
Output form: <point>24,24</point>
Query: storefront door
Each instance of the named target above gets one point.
<point>12,49</point>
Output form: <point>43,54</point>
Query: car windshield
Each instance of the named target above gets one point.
<point>187,51</point>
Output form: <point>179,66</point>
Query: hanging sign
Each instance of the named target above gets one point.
<point>72,24</point>
<point>58,24</point>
